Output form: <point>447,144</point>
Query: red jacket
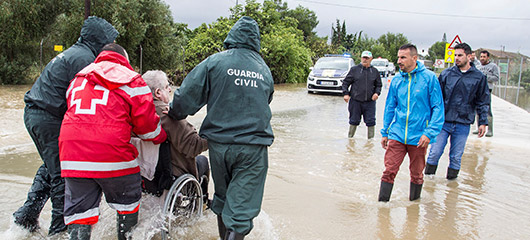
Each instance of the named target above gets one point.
<point>107,101</point>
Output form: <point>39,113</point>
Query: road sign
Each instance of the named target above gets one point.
<point>455,41</point>
<point>449,54</point>
<point>58,48</point>
<point>439,63</point>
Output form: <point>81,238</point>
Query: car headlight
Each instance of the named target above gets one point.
<point>311,77</point>
<point>344,74</point>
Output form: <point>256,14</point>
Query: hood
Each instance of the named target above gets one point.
<point>419,68</point>
<point>96,33</point>
<point>244,34</point>
<point>110,70</point>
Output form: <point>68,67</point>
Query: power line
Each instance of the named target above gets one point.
<point>417,13</point>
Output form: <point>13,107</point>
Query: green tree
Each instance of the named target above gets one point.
<point>24,23</point>
<point>391,43</point>
<point>437,51</point>
<point>282,43</point>
<point>525,79</point>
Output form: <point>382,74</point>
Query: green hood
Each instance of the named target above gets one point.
<point>96,33</point>
<point>244,34</point>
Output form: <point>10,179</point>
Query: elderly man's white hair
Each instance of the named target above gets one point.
<point>155,79</point>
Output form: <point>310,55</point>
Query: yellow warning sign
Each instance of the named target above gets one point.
<point>58,48</point>
<point>449,54</point>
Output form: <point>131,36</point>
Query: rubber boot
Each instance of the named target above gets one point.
<point>352,130</point>
<point>125,223</point>
<point>57,198</point>
<point>385,191</point>
<point>221,226</point>
<point>371,131</point>
<point>490,127</point>
<point>452,173</point>
<point>430,169</point>
<point>79,231</point>
<point>231,235</point>
<point>415,191</point>
<point>27,216</point>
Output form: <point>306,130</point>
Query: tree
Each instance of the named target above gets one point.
<point>391,43</point>
<point>282,43</point>
<point>437,51</point>
<point>24,23</point>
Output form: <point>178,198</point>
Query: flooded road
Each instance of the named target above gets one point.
<point>322,185</point>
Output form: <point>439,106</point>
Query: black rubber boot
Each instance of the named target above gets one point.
<point>125,223</point>
<point>79,231</point>
<point>27,216</point>
<point>452,173</point>
<point>231,235</point>
<point>430,169</point>
<point>415,191</point>
<point>385,191</point>
<point>221,226</point>
<point>57,197</point>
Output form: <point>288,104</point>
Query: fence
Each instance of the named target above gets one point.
<point>514,75</point>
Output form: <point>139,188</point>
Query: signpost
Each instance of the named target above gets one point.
<point>449,50</point>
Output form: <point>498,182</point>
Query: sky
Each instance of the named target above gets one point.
<point>480,23</point>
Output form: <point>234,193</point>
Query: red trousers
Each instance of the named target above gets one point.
<point>395,153</point>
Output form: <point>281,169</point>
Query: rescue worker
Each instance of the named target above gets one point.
<point>43,114</point>
<point>414,114</point>
<point>361,88</point>
<point>107,101</point>
<point>237,86</point>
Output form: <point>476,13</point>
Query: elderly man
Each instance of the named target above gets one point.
<point>413,118</point>
<point>361,88</point>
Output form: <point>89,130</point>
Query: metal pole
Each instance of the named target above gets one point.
<point>141,55</point>
<point>41,54</point>
<point>506,80</point>
<point>519,84</point>
<point>87,8</point>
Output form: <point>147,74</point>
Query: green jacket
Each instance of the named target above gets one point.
<point>49,91</point>
<point>237,86</point>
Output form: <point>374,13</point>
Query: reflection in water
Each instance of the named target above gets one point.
<point>322,185</point>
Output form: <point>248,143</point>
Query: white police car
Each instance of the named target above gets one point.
<point>328,73</point>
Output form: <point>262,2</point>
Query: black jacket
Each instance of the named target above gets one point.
<point>364,83</point>
<point>49,91</point>
<point>463,93</point>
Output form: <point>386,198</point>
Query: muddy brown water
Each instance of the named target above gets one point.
<point>322,185</point>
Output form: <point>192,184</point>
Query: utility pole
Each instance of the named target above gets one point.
<point>87,8</point>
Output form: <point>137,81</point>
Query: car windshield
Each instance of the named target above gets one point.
<point>332,63</point>
<point>378,63</point>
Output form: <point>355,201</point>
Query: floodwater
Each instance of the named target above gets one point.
<point>322,185</point>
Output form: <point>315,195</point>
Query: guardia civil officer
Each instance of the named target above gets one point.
<point>237,86</point>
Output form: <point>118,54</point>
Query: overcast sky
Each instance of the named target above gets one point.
<point>486,24</point>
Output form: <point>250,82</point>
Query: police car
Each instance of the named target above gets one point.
<point>328,73</point>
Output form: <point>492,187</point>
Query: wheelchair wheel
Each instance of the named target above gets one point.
<point>183,202</point>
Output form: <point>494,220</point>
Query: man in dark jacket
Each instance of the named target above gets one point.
<point>43,115</point>
<point>365,83</point>
<point>464,89</point>
<point>237,85</point>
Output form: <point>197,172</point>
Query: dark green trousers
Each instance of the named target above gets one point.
<point>239,173</point>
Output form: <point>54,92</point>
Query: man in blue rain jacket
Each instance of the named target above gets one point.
<point>414,115</point>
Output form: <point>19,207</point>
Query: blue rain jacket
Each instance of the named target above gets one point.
<point>414,107</point>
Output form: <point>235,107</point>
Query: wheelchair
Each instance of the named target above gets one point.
<point>184,199</point>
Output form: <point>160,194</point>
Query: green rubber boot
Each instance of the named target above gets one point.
<point>490,127</point>
<point>371,132</point>
<point>351,133</point>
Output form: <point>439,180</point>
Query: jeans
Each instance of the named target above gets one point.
<point>458,133</point>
